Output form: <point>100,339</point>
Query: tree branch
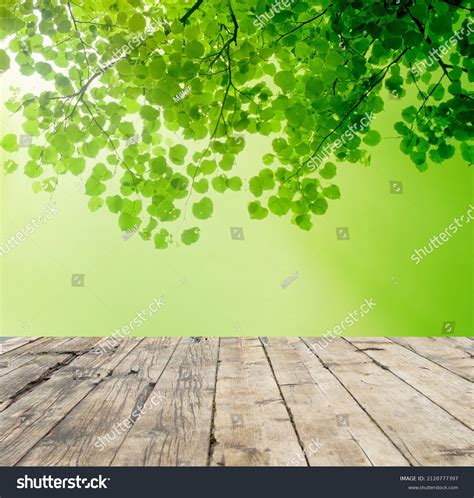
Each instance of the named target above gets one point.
<point>303,24</point>
<point>191,11</point>
<point>383,73</point>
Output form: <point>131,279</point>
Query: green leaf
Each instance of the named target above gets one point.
<point>128,222</point>
<point>157,68</point>
<point>10,166</point>
<point>137,23</point>
<point>296,114</point>
<point>227,162</point>
<point>149,113</point>
<point>33,169</point>
<point>372,138</point>
<point>162,239</point>
<point>190,236</point>
<point>208,167</point>
<point>178,153</point>
<point>114,203</point>
<point>234,183</point>
<point>4,61</point>
<point>194,49</point>
<point>95,203</point>
<point>91,149</point>
<point>255,186</point>
<point>409,114</point>
<point>266,179</point>
<point>419,158</point>
<point>203,209</point>
<point>332,192</point>
<point>256,211</point>
<point>202,186</point>
<point>219,183</point>
<point>101,172</point>
<point>76,165</point>
<point>9,142</point>
<point>304,222</point>
<point>319,206</point>
<point>285,80</point>
<point>94,187</point>
<point>328,171</point>
<point>278,205</point>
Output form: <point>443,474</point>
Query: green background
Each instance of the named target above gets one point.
<point>221,286</point>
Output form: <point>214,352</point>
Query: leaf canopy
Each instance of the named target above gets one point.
<point>153,101</point>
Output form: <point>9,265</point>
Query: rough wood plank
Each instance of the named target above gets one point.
<point>453,393</point>
<point>12,343</point>
<point>24,354</point>
<point>73,344</point>
<point>177,432</point>
<point>463,343</point>
<point>17,357</point>
<point>423,432</point>
<point>323,411</point>
<point>30,373</point>
<point>95,428</point>
<point>38,411</point>
<point>442,352</point>
<point>37,360</point>
<point>251,425</point>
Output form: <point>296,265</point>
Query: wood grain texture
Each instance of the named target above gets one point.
<point>178,431</point>
<point>252,426</point>
<point>422,431</point>
<point>29,419</point>
<point>97,426</point>
<point>322,409</point>
<point>449,391</point>
<point>443,351</point>
<point>18,379</point>
<point>238,401</point>
<point>12,343</point>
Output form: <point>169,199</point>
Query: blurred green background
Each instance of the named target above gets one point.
<point>227,287</point>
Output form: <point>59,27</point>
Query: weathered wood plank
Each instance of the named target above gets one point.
<point>17,357</point>
<point>441,351</point>
<point>463,343</point>
<point>93,431</point>
<point>422,431</point>
<point>325,412</point>
<point>37,360</point>
<point>446,389</point>
<point>251,426</point>
<point>26,353</point>
<point>19,378</point>
<point>177,432</point>
<point>74,345</point>
<point>26,421</point>
<point>12,343</point>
